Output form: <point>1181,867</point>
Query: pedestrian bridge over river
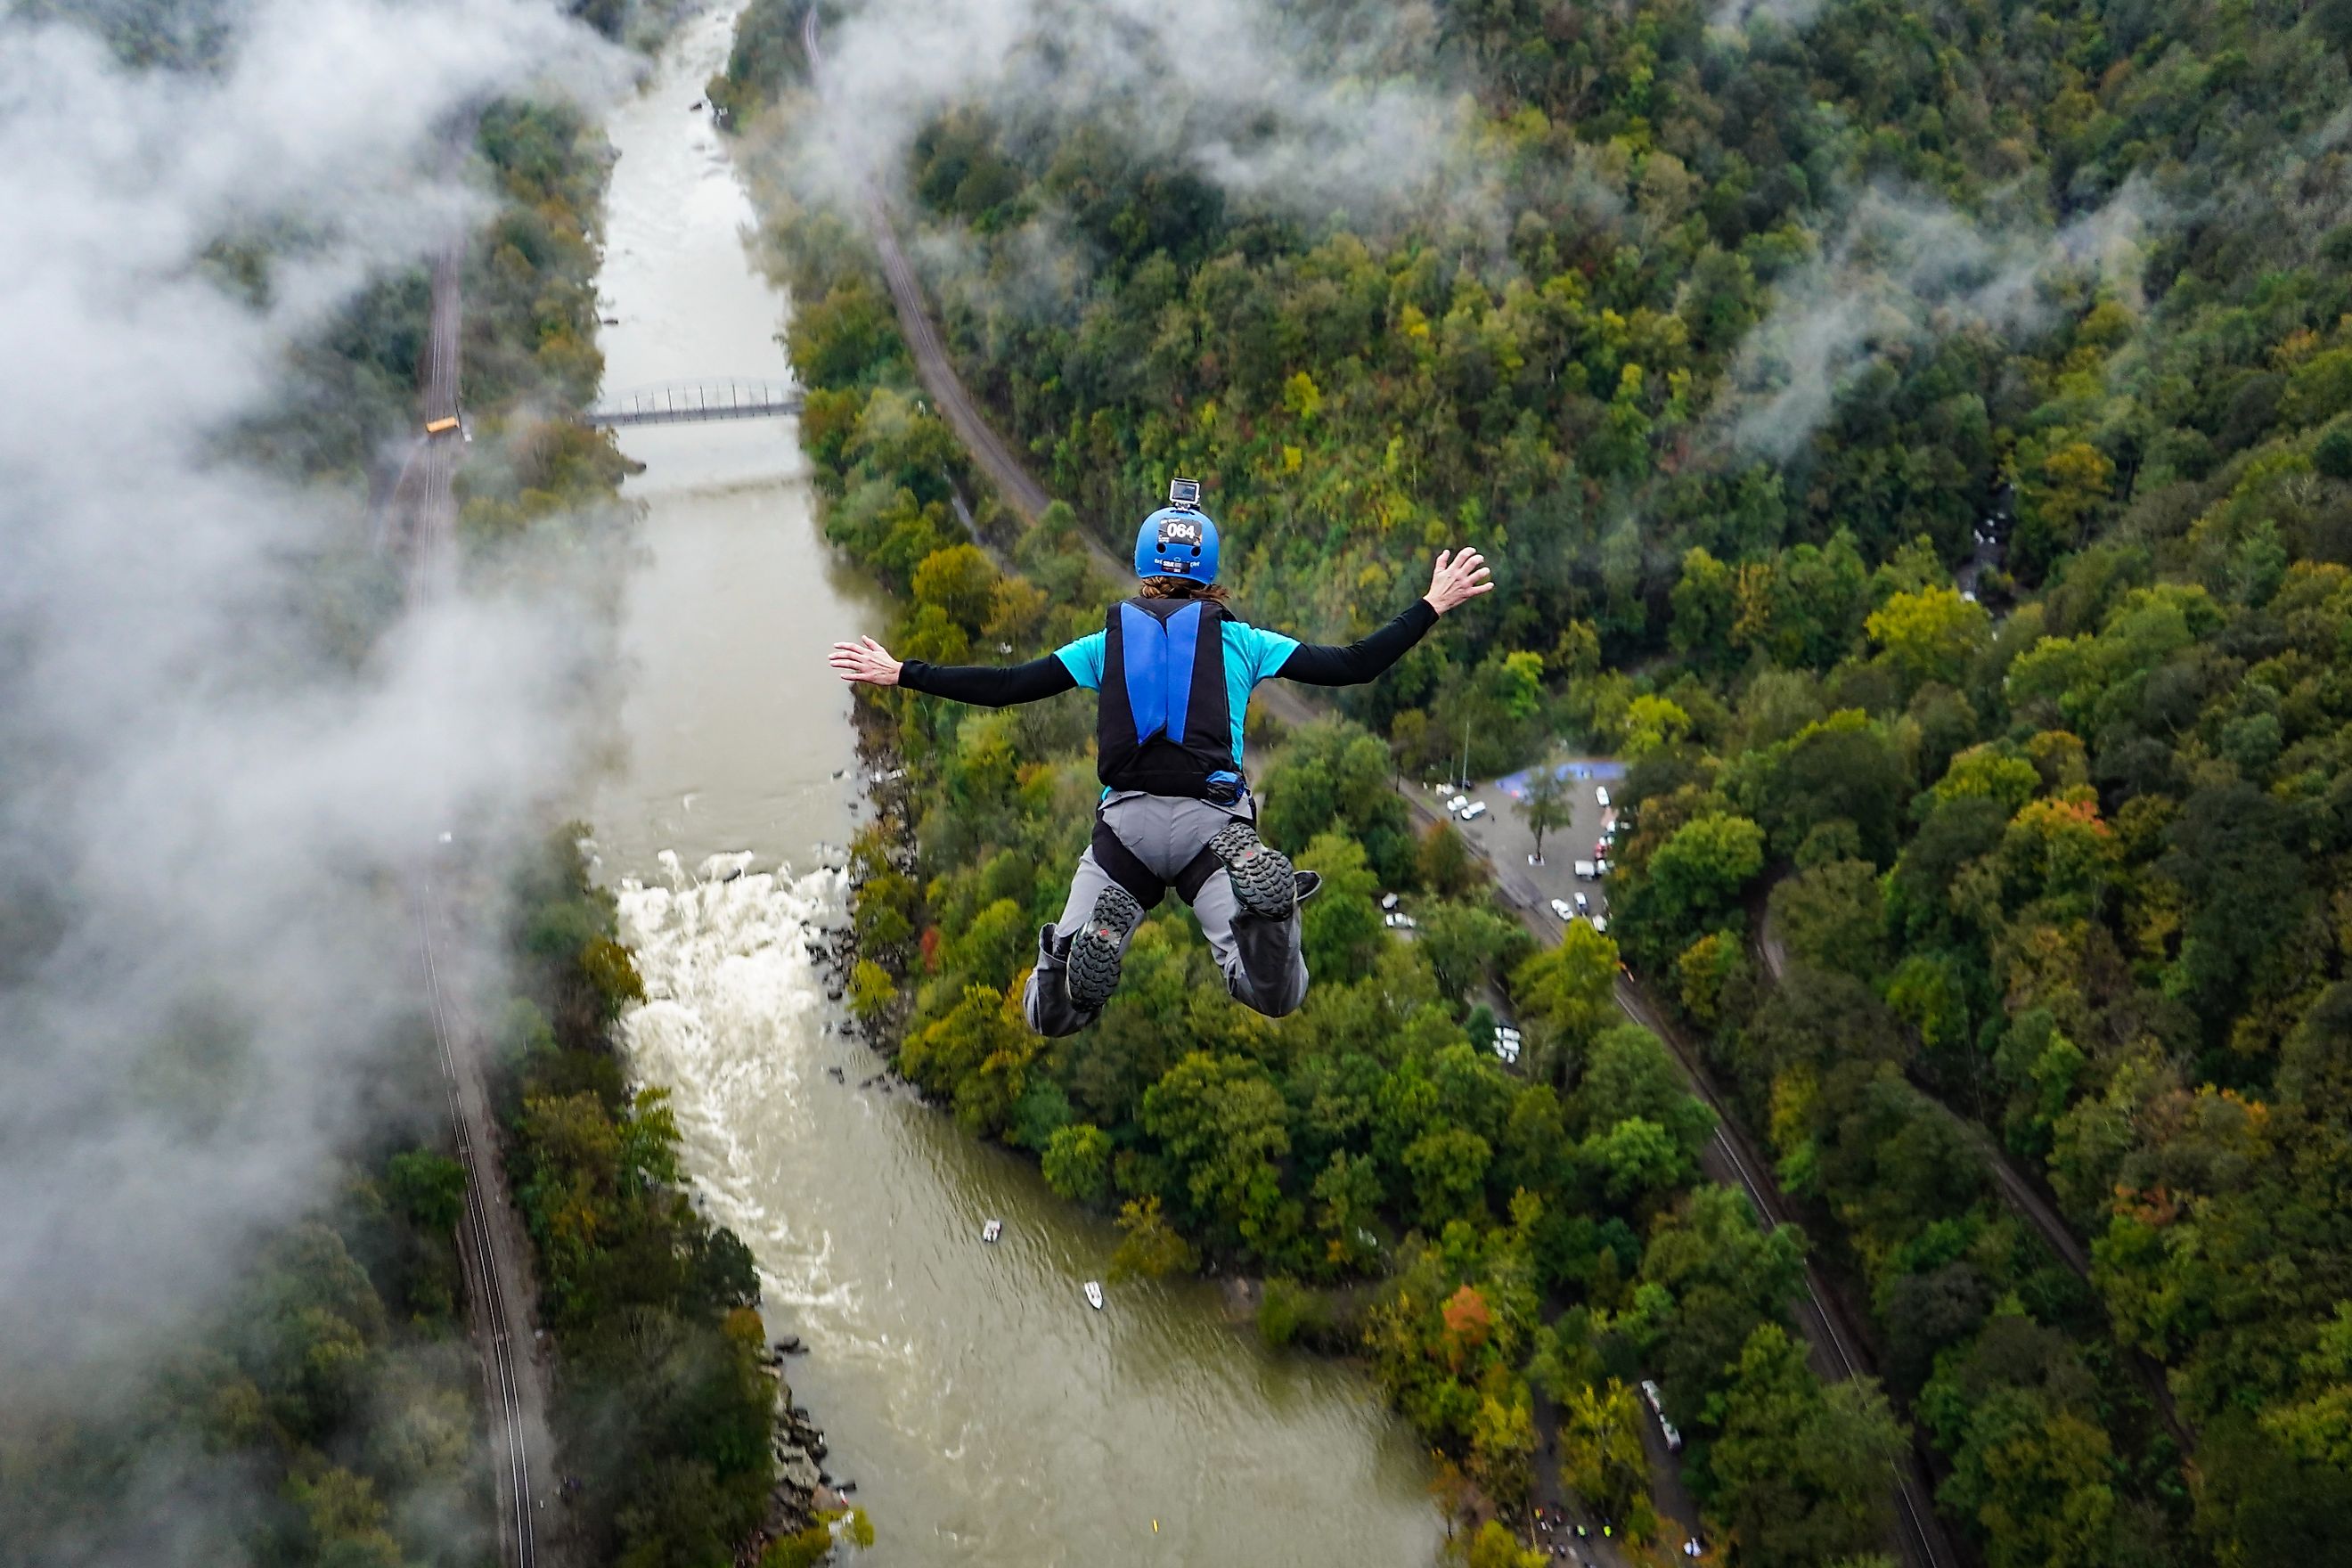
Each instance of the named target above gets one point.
<point>693,402</point>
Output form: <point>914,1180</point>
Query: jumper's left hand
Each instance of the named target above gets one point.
<point>1456,579</point>
<point>865,661</point>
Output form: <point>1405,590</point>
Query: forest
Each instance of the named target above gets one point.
<point>1919,440</point>
<point>1487,1242</point>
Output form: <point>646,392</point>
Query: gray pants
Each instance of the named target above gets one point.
<point>1264,966</point>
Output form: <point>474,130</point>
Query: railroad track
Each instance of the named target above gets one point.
<point>489,1250</point>
<point>478,1245</point>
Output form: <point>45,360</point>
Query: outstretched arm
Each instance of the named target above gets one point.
<point>1455,580</point>
<point>983,685</point>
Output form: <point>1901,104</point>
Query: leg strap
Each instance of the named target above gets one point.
<point>1123,867</point>
<point>1196,874</point>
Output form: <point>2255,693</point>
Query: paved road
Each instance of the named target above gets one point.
<point>1014,481</point>
<point>492,1249</point>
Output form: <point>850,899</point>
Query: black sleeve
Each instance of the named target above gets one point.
<point>989,685</point>
<point>1328,664</point>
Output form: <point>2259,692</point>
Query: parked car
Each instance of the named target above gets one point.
<point>1583,905</point>
<point>1457,804</point>
<point>1401,922</point>
<point>1561,908</point>
<point>1600,924</point>
<point>1600,795</point>
<point>1475,809</point>
<point>1388,900</point>
<point>1584,871</point>
<point>1658,1409</point>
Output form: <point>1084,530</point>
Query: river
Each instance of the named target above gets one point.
<point>987,1416</point>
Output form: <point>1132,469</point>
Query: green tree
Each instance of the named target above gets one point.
<point>1803,1468</point>
<point>1222,1126</point>
<point>1570,990</point>
<point>1548,803</point>
<point>1653,723</point>
<point>1464,941</point>
<point>961,582</point>
<point>1448,1167</point>
<point>1444,861</point>
<point>1930,635</point>
<point>1149,1246</point>
<point>1602,1458</point>
<point>1705,605</point>
<point>430,1187</point>
<point>1698,874</point>
<point>1077,1162</point>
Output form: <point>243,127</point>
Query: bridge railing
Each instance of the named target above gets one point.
<point>689,402</point>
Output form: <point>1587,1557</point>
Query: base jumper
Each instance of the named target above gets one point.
<point>1174,668</point>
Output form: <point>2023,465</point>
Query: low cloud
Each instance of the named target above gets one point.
<point>1243,93</point>
<point>1737,15</point>
<point>204,789</point>
<point>1899,271</point>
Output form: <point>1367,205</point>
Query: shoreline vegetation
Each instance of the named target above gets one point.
<point>2001,660</point>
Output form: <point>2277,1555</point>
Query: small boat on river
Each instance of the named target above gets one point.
<point>991,1231</point>
<point>1094,1295</point>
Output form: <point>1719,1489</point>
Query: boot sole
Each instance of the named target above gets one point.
<point>1093,959</point>
<point>1262,879</point>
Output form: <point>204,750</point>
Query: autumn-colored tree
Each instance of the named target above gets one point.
<point>1468,1324</point>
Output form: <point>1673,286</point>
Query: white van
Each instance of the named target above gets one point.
<point>1584,872</point>
<point>1600,795</point>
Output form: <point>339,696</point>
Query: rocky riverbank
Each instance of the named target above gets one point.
<point>804,1490</point>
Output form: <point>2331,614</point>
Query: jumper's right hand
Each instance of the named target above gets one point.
<point>1457,579</point>
<point>865,661</point>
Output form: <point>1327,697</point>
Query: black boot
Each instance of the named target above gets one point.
<point>1262,881</point>
<point>1096,947</point>
<point>1051,1011</point>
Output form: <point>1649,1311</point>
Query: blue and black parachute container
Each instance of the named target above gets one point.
<point>1165,725</point>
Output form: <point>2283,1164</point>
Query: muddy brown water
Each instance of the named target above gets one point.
<point>986,1413</point>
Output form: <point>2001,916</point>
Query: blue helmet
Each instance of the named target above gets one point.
<point>1177,542</point>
